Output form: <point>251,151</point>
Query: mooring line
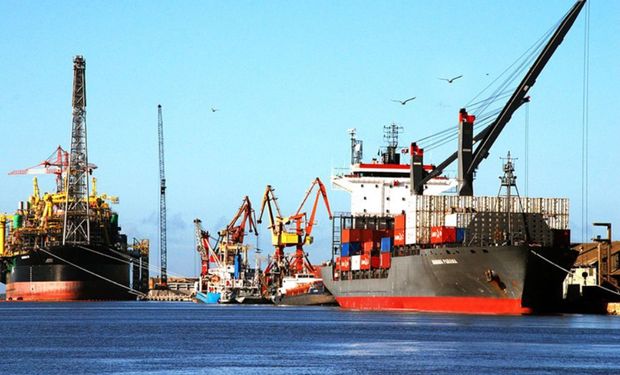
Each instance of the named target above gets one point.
<point>567,271</point>
<point>131,290</point>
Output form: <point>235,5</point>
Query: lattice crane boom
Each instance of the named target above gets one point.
<point>76,229</point>
<point>162,201</point>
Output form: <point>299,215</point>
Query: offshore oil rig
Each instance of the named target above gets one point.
<point>67,244</point>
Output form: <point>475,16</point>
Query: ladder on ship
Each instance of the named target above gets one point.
<point>337,233</point>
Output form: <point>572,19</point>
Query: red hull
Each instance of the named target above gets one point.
<point>465,305</point>
<point>40,291</point>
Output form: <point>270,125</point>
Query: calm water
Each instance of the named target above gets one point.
<point>186,338</point>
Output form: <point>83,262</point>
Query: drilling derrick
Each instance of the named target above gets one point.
<point>76,223</point>
<point>162,201</point>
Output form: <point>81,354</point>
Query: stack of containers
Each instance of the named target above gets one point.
<point>351,247</point>
<point>368,245</point>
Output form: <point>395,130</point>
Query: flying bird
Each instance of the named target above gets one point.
<point>403,102</point>
<point>450,80</point>
<point>214,109</point>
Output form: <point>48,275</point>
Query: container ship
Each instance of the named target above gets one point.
<point>418,240</point>
<point>67,245</point>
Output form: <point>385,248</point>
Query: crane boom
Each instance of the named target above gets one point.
<point>162,200</point>
<point>487,137</point>
<point>520,94</point>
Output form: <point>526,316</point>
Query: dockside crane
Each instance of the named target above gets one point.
<point>470,159</point>
<point>234,233</point>
<point>206,252</point>
<point>291,231</point>
<point>162,202</point>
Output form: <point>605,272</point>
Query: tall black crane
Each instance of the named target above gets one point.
<point>162,201</point>
<point>469,160</point>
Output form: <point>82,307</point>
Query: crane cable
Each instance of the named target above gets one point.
<point>501,92</point>
<point>584,127</point>
<point>130,290</point>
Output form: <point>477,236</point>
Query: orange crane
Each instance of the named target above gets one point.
<point>284,235</point>
<point>234,233</point>
<point>230,241</point>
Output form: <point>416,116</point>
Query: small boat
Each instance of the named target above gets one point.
<point>303,289</point>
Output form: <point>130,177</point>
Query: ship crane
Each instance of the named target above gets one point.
<point>470,159</point>
<point>234,233</point>
<point>206,252</point>
<point>284,235</point>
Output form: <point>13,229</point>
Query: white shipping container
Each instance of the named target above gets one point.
<point>355,262</point>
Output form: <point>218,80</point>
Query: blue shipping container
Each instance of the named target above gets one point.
<point>386,244</point>
<point>460,234</point>
<point>350,248</point>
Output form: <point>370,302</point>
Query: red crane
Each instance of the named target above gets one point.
<point>298,236</point>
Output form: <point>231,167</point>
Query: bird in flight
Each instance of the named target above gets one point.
<point>403,102</point>
<point>214,109</point>
<point>450,80</point>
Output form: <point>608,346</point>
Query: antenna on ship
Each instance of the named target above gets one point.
<point>390,136</point>
<point>357,147</point>
<point>509,181</point>
<point>76,229</point>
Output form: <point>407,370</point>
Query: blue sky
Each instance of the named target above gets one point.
<point>289,79</point>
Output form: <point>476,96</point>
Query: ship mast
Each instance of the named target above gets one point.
<point>76,228</point>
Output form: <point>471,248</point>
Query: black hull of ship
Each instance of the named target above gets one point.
<point>475,280</point>
<point>40,277</point>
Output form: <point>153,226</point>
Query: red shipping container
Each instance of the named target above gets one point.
<point>345,263</point>
<point>350,235</point>
<point>399,237</point>
<point>386,260</point>
<point>367,247</point>
<point>443,234</point>
<point>337,264</point>
<point>365,235</point>
<point>365,261</point>
<point>399,222</point>
<point>375,262</point>
<point>381,233</point>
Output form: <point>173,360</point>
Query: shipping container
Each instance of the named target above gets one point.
<point>386,244</point>
<point>399,222</point>
<point>351,235</point>
<point>365,261</point>
<point>375,262</point>
<point>386,260</point>
<point>366,235</point>
<point>368,246</point>
<point>345,263</point>
<point>399,237</point>
<point>351,248</point>
<point>460,234</point>
<point>443,234</point>
<point>355,262</point>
